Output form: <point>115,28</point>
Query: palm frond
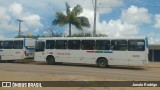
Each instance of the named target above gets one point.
<point>84,21</point>
<point>60,19</point>
<point>71,17</point>
<point>77,22</point>
<point>67,8</point>
<point>77,10</point>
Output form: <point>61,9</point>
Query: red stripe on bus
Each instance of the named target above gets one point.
<point>91,51</point>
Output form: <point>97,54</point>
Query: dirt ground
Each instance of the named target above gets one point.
<point>7,75</point>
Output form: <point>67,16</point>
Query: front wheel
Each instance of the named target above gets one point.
<point>50,60</point>
<point>102,63</point>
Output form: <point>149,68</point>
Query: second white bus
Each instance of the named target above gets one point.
<point>102,51</point>
<point>16,48</point>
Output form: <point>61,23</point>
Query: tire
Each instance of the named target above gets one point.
<point>102,62</point>
<point>50,60</point>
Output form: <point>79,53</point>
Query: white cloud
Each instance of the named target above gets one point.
<point>135,15</point>
<point>8,20</point>
<point>154,38</point>
<point>157,18</point>
<point>33,21</point>
<point>3,15</point>
<point>118,28</point>
<point>16,9</point>
<point>105,6</point>
<point>129,22</point>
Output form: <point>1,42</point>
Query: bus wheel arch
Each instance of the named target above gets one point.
<point>50,60</point>
<point>102,62</point>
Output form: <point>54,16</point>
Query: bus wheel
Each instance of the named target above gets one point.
<point>50,60</point>
<point>102,62</point>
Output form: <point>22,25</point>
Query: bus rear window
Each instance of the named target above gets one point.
<point>136,45</point>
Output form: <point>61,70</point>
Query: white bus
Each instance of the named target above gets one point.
<point>16,48</point>
<point>102,51</point>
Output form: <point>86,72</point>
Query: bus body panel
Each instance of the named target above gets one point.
<point>12,54</point>
<point>39,56</point>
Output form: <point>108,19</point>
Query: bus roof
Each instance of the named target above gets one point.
<point>92,38</point>
<point>14,38</point>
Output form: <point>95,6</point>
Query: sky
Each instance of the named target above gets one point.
<point>114,17</point>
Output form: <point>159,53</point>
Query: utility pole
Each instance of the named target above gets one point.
<point>95,14</point>
<point>19,32</point>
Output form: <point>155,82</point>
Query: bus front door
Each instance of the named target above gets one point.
<point>39,51</point>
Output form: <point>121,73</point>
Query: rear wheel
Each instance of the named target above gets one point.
<point>50,60</point>
<point>102,62</point>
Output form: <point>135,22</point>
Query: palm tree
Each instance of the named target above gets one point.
<point>71,17</point>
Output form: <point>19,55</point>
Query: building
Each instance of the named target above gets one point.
<point>154,52</point>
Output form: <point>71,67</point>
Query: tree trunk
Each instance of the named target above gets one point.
<point>69,29</point>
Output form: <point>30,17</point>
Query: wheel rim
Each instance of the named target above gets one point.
<point>50,60</point>
<point>102,63</point>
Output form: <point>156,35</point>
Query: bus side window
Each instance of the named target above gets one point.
<point>39,46</point>
<point>18,44</point>
<point>88,44</point>
<point>136,45</point>
<point>8,44</point>
<point>119,45</point>
<point>103,45</point>
<point>74,44</point>
<point>1,44</point>
<point>61,44</point>
<point>50,44</point>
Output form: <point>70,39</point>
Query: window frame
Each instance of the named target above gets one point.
<point>103,44</point>
<point>1,44</point>
<point>83,46</point>
<point>120,45</point>
<point>75,45</point>
<point>40,50</point>
<point>54,43</point>
<point>65,44</point>
<point>5,46</point>
<point>21,47</point>
<point>143,49</point>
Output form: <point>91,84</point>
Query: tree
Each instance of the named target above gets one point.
<point>72,18</point>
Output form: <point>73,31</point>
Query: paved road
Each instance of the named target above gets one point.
<point>120,73</point>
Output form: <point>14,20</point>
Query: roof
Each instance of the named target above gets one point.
<point>15,38</point>
<point>85,38</point>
